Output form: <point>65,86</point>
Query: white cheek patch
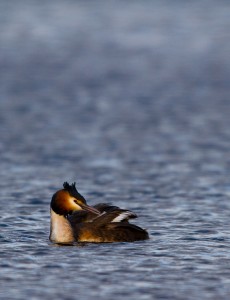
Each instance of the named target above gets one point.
<point>124,216</point>
<point>74,205</point>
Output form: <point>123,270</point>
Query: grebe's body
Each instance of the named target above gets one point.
<point>72,220</point>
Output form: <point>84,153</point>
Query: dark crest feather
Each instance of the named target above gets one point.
<point>70,188</point>
<point>73,191</point>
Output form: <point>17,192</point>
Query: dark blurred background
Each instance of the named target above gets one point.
<point>114,91</point>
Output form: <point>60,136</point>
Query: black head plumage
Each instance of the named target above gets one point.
<point>73,191</point>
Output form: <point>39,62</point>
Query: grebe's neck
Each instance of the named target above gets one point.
<point>60,229</point>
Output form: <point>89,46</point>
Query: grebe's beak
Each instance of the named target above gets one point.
<point>90,209</point>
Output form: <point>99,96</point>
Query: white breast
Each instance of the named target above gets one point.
<point>60,229</point>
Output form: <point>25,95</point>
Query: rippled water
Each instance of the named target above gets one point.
<point>131,100</point>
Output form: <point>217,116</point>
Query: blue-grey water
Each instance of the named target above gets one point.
<point>130,99</point>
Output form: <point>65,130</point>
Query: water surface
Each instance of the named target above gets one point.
<point>131,101</point>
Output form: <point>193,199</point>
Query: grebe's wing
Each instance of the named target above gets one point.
<point>81,216</point>
<point>116,215</point>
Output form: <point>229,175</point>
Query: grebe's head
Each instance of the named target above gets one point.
<point>67,200</point>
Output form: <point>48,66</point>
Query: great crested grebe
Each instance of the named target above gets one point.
<point>72,220</point>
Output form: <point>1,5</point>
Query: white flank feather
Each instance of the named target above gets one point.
<point>123,216</point>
